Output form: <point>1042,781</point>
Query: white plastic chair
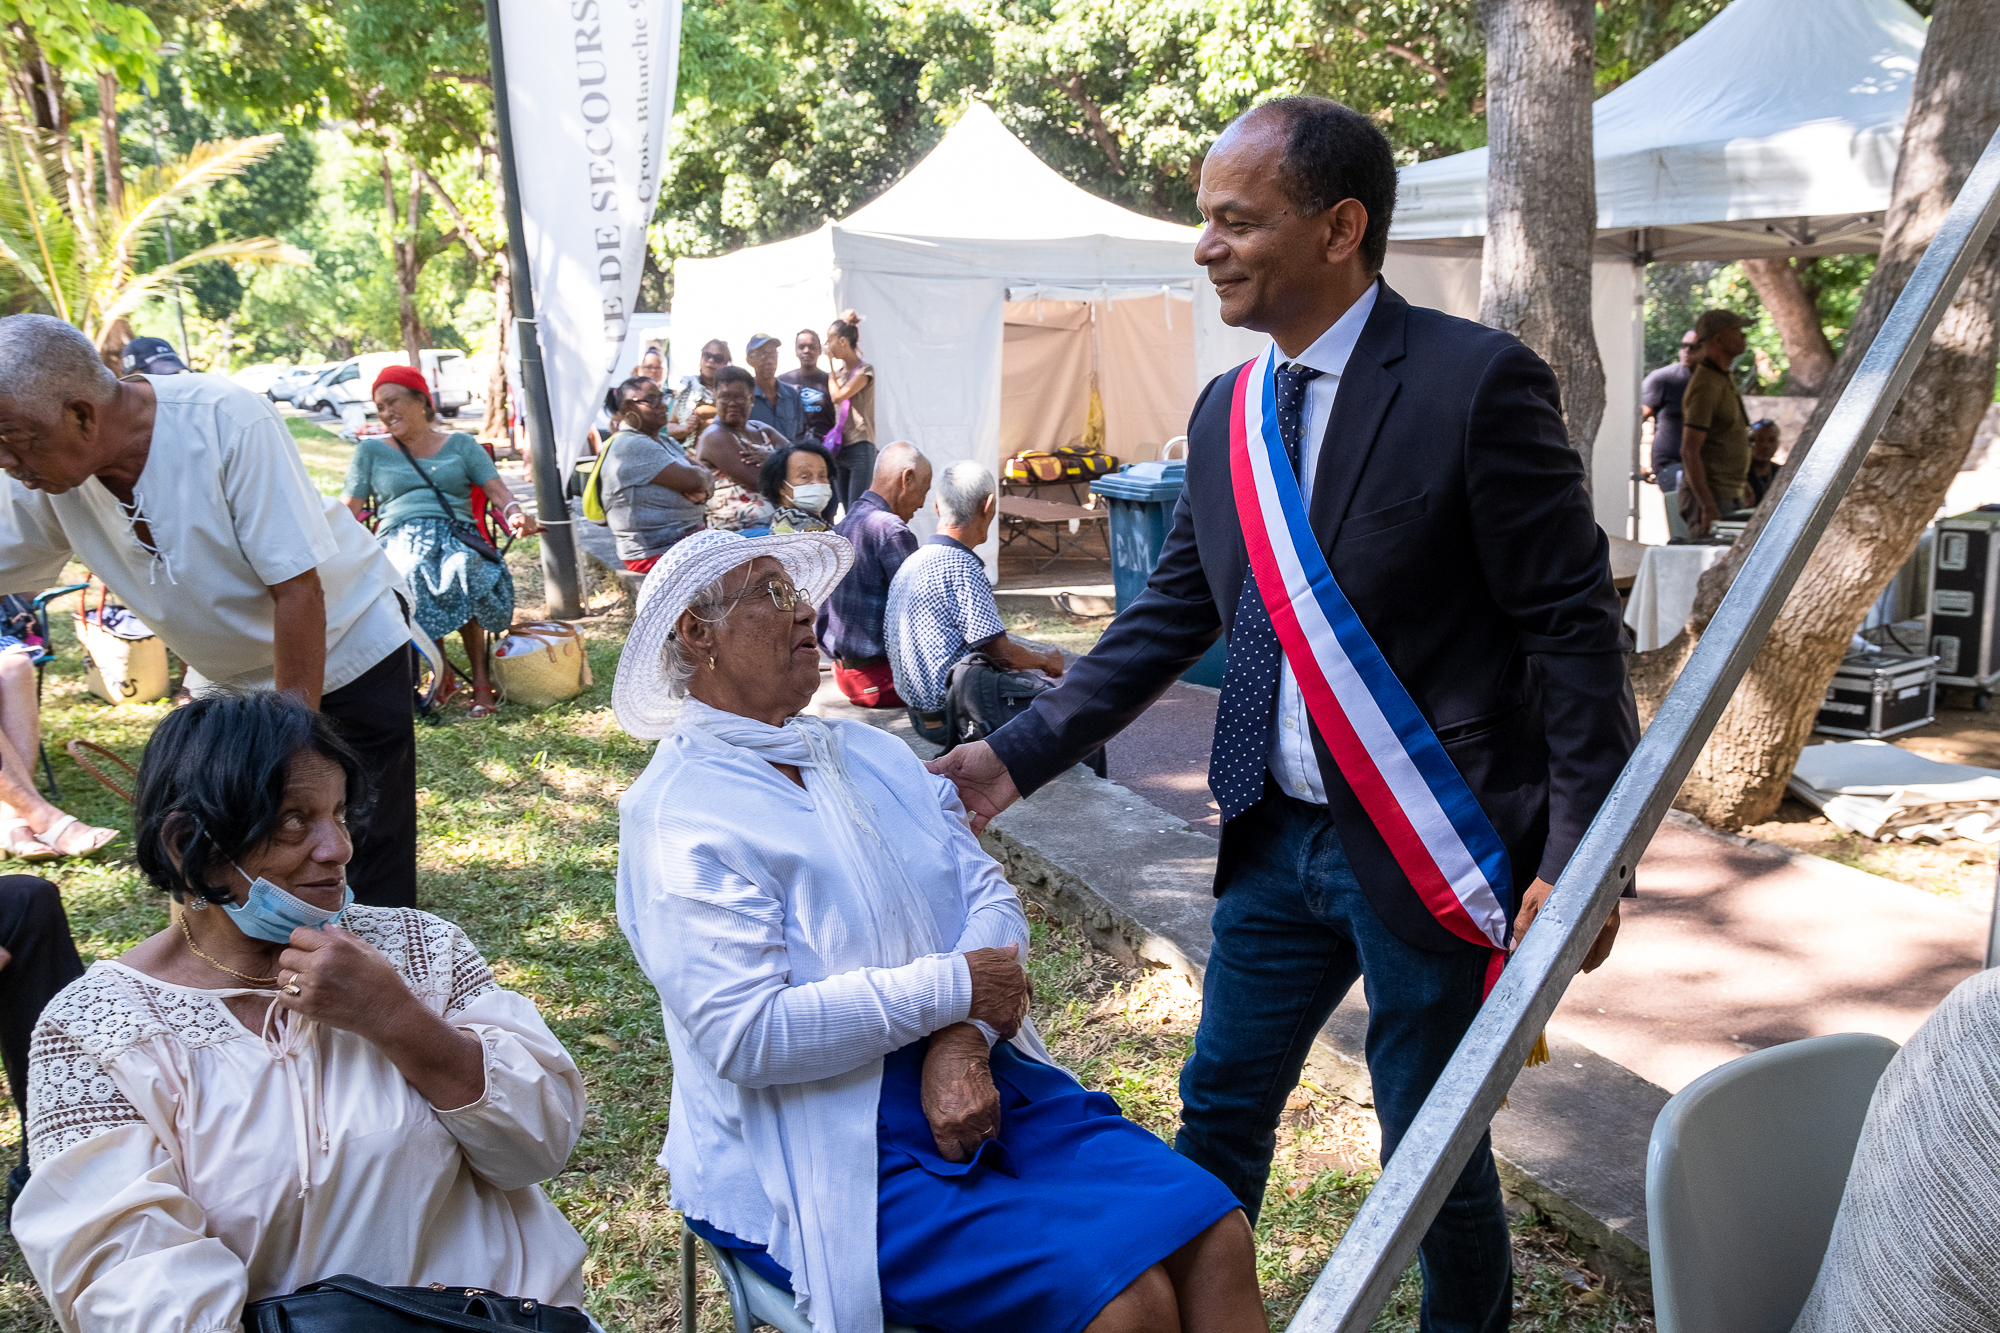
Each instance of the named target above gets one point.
<point>753,1302</point>
<point>1744,1175</point>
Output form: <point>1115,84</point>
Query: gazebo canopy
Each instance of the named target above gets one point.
<point>1772,130</point>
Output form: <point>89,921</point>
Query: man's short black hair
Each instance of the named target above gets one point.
<point>777,468</point>
<point>211,785</point>
<point>1337,153</point>
<point>734,375</point>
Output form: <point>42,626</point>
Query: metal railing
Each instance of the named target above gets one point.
<point>1383,1238</point>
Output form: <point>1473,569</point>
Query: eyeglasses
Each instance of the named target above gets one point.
<point>644,399</point>
<point>783,595</point>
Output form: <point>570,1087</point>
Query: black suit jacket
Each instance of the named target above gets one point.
<point>1453,513</point>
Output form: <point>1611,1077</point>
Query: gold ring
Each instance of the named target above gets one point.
<point>291,988</point>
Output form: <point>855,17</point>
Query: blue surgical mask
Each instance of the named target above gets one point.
<point>269,913</point>
<point>813,496</point>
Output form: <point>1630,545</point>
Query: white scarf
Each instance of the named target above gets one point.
<point>815,1144</point>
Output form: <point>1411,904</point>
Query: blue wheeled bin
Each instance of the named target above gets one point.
<point>1142,499</point>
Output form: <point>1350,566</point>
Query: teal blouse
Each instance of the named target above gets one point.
<point>379,469</point>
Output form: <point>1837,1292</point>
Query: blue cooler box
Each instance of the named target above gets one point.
<point>1142,499</point>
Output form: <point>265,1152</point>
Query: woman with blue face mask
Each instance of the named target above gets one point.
<point>285,1085</point>
<point>797,480</point>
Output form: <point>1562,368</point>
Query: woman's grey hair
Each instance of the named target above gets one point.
<point>46,362</point>
<point>963,491</point>
<point>677,663</point>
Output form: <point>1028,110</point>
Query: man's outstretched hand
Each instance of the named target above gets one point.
<point>1531,907</point>
<point>983,782</point>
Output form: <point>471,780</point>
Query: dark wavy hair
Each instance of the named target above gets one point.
<point>212,783</point>
<point>734,375</point>
<point>771,480</point>
<point>849,329</point>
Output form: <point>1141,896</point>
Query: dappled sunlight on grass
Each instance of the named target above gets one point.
<point>519,846</point>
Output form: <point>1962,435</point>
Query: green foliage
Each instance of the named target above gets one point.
<point>80,35</point>
<point>792,115</point>
<point>92,268</point>
<point>1676,293</point>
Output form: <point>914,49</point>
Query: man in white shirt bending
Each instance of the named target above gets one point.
<point>186,495</point>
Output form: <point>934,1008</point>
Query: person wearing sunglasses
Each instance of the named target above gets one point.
<point>861,1108</point>
<point>653,496</point>
<point>1660,403</point>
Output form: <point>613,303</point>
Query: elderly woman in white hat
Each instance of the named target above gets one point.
<point>860,1108</point>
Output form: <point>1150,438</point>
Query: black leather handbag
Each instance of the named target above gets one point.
<point>345,1303</point>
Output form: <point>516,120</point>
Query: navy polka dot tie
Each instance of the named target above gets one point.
<point>1246,715</point>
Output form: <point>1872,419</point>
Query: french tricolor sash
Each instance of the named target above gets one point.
<point>1407,784</point>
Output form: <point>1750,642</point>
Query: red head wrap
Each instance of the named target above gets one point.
<point>410,379</point>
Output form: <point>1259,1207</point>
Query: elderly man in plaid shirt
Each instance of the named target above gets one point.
<point>878,527</point>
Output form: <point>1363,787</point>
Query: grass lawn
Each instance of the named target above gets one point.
<point>519,846</point>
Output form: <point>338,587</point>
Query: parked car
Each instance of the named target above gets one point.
<point>351,384</point>
<point>287,387</point>
<point>259,378</point>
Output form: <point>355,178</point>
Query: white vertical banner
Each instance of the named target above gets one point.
<point>590,89</point>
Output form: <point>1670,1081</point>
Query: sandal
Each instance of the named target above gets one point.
<point>484,707</point>
<point>17,839</point>
<point>53,834</point>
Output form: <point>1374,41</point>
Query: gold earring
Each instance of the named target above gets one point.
<point>711,661</point>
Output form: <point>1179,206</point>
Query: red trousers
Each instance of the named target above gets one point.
<point>869,686</point>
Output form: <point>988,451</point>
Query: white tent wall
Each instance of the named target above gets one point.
<point>1450,282</point>
<point>776,289</point>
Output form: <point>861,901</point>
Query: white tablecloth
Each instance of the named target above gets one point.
<point>1663,591</point>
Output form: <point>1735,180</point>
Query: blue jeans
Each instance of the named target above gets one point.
<point>1292,932</point>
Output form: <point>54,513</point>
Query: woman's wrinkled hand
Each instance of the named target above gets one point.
<point>523,524</point>
<point>960,1101</point>
<point>342,981</point>
<point>1001,991</point>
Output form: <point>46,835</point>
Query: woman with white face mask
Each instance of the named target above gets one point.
<point>798,481</point>
<point>284,1085</point>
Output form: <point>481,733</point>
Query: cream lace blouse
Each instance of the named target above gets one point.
<point>185,1164</point>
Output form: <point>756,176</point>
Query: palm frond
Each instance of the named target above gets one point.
<point>143,286</point>
<point>152,190</point>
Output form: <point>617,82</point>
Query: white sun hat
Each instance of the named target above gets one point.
<point>814,561</point>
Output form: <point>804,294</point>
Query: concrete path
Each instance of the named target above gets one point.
<point>1732,946</point>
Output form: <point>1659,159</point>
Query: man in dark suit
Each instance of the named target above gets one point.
<point>1441,488</point>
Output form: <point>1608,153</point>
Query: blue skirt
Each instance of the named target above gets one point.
<point>1041,1229</point>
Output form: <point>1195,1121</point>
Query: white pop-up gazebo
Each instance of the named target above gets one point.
<point>990,287</point>
<point>1774,130</point>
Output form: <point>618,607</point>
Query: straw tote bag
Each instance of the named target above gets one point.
<point>541,662</point>
<point>124,662</point>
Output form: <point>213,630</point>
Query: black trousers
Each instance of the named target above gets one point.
<point>376,713</point>
<point>42,959</point>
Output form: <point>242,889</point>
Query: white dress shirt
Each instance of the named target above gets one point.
<point>1293,763</point>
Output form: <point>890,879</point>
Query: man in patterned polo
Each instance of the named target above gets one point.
<point>941,606</point>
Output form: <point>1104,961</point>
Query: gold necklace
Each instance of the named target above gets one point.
<point>189,936</point>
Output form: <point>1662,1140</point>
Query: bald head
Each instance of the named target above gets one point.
<point>902,478</point>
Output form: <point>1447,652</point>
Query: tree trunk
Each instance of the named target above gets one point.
<point>1792,310</point>
<point>1541,195</point>
<point>494,427</point>
<point>114,160</point>
<point>409,263</point>
<point>1740,777</point>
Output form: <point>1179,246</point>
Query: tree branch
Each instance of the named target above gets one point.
<point>461,231</point>
<point>1100,133</point>
<point>1437,75</point>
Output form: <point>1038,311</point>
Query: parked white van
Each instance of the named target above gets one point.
<point>348,390</point>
